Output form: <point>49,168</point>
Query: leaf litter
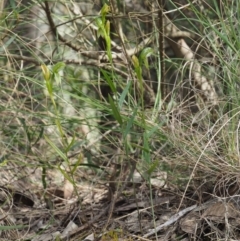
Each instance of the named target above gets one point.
<point>65,212</point>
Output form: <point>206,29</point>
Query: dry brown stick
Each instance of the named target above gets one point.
<point>92,63</point>
<point>74,47</point>
<point>173,219</point>
<point>54,29</point>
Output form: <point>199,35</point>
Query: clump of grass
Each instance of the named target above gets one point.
<point>56,115</point>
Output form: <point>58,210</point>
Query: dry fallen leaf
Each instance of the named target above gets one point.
<point>190,223</point>
<point>89,237</point>
<point>218,211</point>
<point>47,236</point>
<point>70,227</point>
<point>68,189</point>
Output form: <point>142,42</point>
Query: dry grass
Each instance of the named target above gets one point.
<point>115,167</point>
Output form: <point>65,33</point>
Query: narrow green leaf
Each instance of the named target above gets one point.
<point>78,163</point>
<point>12,4</point>
<point>130,123</point>
<point>115,110</point>
<point>66,176</point>
<point>90,166</point>
<point>152,167</point>
<point>6,43</point>
<point>99,22</point>
<point>146,151</point>
<point>70,144</point>
<point>109,80</point>
<point>58,78</point>
<point>39,136</point>
<point>124,94</point>
<point>23,122</point>
<point>5,228</point>
<point>49,87</point>
<point>58,151</point>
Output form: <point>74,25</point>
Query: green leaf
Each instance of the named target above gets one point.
<point>40,134</point>
<point>115,110</point>
<point>65,174</point>
<point>57,150</point>
<point>6,43</point>
<point>89,165</point>
<point>146,151</point>
<point>58,78</point>
<point>49,87</point>
<point>130,123</point>
<point>154,129</point>
<point>25,127</point>
<point>70,144</point>
<point>5,228</point>
<point>108,79</point>
<point>153,166</point>
<point>12,4</point>
<point>78,163</point>
<point>124,93</point>
<point>4,160</point>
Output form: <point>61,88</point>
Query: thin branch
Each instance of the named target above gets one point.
<point>172,220</point>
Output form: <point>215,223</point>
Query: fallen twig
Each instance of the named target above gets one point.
<point>173,219</point>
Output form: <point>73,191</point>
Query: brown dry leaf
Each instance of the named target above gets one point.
<point>59,193</point>
<point>68,189</point>
<point>70,228</point>
<point>90,237</point>
<point>47,237</point>
<point>218,211</point>
<point>190,223</point>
